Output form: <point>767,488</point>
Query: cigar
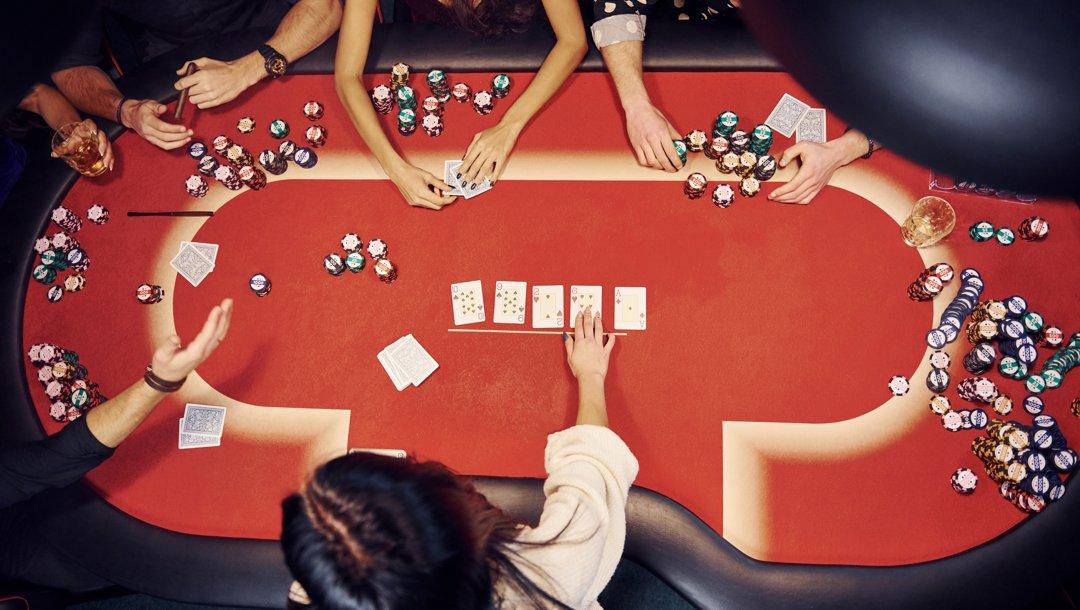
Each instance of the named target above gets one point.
<point>191,67</point>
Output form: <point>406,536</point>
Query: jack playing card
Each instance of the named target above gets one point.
<point>547,307</point>
<point>630,308</point>
<point>191,264</point>
<point>582,298</point>
<point>510,298</point>
<point>468,301</point>
<point>812,127</point>
<point>787,114</point>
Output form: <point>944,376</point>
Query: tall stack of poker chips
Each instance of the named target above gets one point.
<point>717,148</point>
<point>695,140</point>
<point>65,381</point>
<point>749,186</point>
<point>728,163</point>
<point>273,162</point>
<point>500,85</point>
<point>739,141</point>
<point>723,195</point>
<point>238,155</point>
<point>747,163</point>
<point>930,282</point>
<point>66,219</point>
<point>725,124</point>
<point>980,358</point>
<point>765,168</point>
<point>432,105</point>
<point>1033,228</point>
<point>196,185</point>
<point>461,93</point>
<point>952,318</point>
<point>315,136</point>
<point>255,179</point>
<point>406,122</point>
<point>97,214</point>
<point>382,98</point>
<point>305,158</point>
<point>695,185</point>
<point>399,75</point>
<point>483,102</point>
<point>433,125</point>
<point>406,98</point>
<point>761,139</point>
<point>228,176</point>
<point>440,87</point>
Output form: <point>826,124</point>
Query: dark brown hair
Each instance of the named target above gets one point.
<point>492,18</point>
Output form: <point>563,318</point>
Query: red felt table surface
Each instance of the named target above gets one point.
<point>792,316</point>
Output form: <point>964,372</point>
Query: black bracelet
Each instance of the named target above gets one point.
<point>160,384</point>
<point>869,147</point>
<point>119,109</point>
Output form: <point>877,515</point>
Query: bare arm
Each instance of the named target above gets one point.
<point>588,357</point>
<point>817,163</point>
<point>50,105</point>
<point>649,131</point>
<point>487,154</point>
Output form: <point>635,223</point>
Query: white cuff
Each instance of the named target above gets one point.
<point>618,28</point>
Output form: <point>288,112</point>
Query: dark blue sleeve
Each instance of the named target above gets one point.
<point>86,41</point>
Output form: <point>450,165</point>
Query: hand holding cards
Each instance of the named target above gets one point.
<point>407,362</point>
<point>450,173</point>
<point>195,261</point>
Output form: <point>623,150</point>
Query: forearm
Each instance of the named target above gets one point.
<point>50,105</point>
<point>362,113</point>
<point>112,421</point>
<point>623,62</point>
<point>564,57</point>
<point>307,25</point>
<point>592,407</point>
<point>90,90</point>
<point>853,145</point>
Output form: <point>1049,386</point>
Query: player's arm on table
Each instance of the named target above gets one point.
<point>418,187</point>
<point>115,419</point>
<point>55,110</point>
<point>588,357</point>
<point>307,25</point>
<point>487,154</point>
<point>817,162</point>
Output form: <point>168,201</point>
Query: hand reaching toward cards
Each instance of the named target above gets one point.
<point>818,162</point>
<point>218,82</point>
<point>486,156</point>
<point>416,186</point>
<point>586,352</point>
<point>651,135</point>
<point>143,117</point>
<point>172,362</point>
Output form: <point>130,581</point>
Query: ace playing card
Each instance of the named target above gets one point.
<point>630,308</point>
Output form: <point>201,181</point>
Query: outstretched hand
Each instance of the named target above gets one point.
<point>586,352</point>
<point>173,362</point>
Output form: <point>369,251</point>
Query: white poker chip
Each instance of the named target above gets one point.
<point>350,242</point>
<point>940,405</point>
<point>899,385</point>
<point>964,481</point>
<point>376,248</point>
<point>936,338</point>
<point>939,360</point>
<point>952,421</point>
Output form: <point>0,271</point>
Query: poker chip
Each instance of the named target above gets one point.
<point>725,124</point>
<point>207,165</point>
<point>433,125</point>
<point>695,140</point>
<point>287,149</point>
<point>761,139</point>
<point>66,219</point>
<point>226,175</point>
<point>355,261</point>
<point>500,85</point>
<point>1035,384</point>
<point>385,270</point>
<point>315,136</point>
<point>238,155</point>
<point>739,141</point>
<point>980,358</point>
<point>1034,405</point>
<point>749,186</point>
<point>765,168</point>
<point>245,125</point>
<point>278,129</point>
<point>1016,305</point>
<point>937,380</point>
<point>723,195</point>
<point>939,405</point>
<point>483,102</point>
<point>333,264</point>
<point>1065,460</point>
<point>1003,405</point>
<point>259,284</point>
<point>221,144</point>
<point>148,294</point>
<point>963,481</point>
<point>747,163</point>
<point>461,93</point>
<point>439,85</point>
<point>196,186</point>
<point>350,242</point>
<point>74,282</point>
<point>313,110</point>
<point>1051,336</point>
<point>196,149</point>
<point>728,163</point>
<point>717,147</point>
<point>936,339</point>
<point>1074,408</point>
<point>979,419</point>
<point>695,185</point>
<point>305,158</point>
<point>54,294</point>
<point>253,178</point>
<point>406,120</point>
<point>1033,228</point>
<point>1005,236</point>
<point>680,149</point>
<point>377,249</point>
<point>981,231</point>
<point>382,98</point>
<point>899,385</point>
<point>273,162</point>
<point>432,105</point>
<point>930,282</point>
<point>952,421</point>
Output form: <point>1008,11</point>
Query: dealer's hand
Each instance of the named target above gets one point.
<point>172,362</point>
<point>418,187</point>
<point>487,154</point>
<point>586,352</point>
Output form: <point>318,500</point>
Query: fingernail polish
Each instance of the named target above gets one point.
<point>472,185</point>
<point>459,176</point>
<point>565,336</point>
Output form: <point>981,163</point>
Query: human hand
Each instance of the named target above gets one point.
<point>416,186</point>
<point>487,154</point>
<point>817,164</point>
<point>104,145</point>
<point>218,82</point>
<point>172,362</point>
<point>651,136</point>
<point>586,352</point>
<point>142,116</point>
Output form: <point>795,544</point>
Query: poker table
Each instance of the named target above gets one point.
<point>776,467</point>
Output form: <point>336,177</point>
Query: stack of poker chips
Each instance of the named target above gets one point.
<point>1074,408</point>
<point>765,168</point>
<point>680,149</point>
<point>723,195</point>
<point>761,140</point>
<point>725,124</point>
<point>963,481</point>
<point>747,163</point>
<point>273,162</point>
<point>433,125</point>
<point>278,129</point>
<point>1027,461</point>
<point>980,358</point>
<point>196,185</point>
<point>749,186</point>
<point>65,381</point>
<point>728,163</point>
<point>696,140</point>
<point>228,176</point>
<point>399,75</point>
<point>313,110</point>
<point>461,93</point>
<point>315,136</point>
<point>1034,229</point>
<point>406,98</point>
<point>239,156</point>
<point>287,149</point>
<point>930,282</point>
<point>483,102</point>
<point>207,165</point>
<point>1005,236</point>
<point>500,85</point>
<point>60,252</point>
<point>259,284</point>
<point>432,105</point>
<point>1056,367</point>
<point>977,389</point>
<point>382,98</point>
<point>406,122</point>
<point>377,249</point>
<point>1051,336</point>
<point>695,185</point>
<point>305,158</point>
<point>148,294</point>
<point>717,148</point>
<point>440,87</point>
<point>66,219</point>
<point>97,214</point>
<point>952,318</point>
<point>245,125</point>
<point>385,271</point>
<point>354,257</point>
<point>937,380</point>
<point>739,141</point>
<point>984,231</point>
<point>255,179</point>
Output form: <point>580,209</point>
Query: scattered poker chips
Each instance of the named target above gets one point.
<point>354,259</point>
<point>680,149</point>
<point>500,85</point>
<point>695,140</point>
<point>695,185</point>
<point>228,176</point>
<point>433,125</point>
<point>196,149</point>
<point>461,93</point>
<point>245,125</point>
<point>981,231</point>
<point>1033,229</point>
<point>315,136</point>
<point>273,162</point>
<point>717,148</point>
<point>313,110</point>
<point>350,242</point>
<point>382,98</point>
<point>749,186</point>
<point>406,97</point>
<point>66,381</point>
<point>406,121</point>
<point>253,178</point>
<point>483,102</point>
<point>334,264</point>
<point>278,129</point>
<point>399,75</point>
<point>899,385</point>
<point>765,168</point>
<point>962,305</point>
<point>725,124</point>
<point>386,271</point>
<point>259,284</point>
<point>964,481</point>
<point>148,294</point>
<point>723,195</point>
<point>440,87</point>
<point>377,249</point>
<point>930,282</point>
<point>305,158</point>
<point>1005,236</point>
<point>196,185</point>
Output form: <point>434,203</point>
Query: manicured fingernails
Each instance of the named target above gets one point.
<point>565,336</point>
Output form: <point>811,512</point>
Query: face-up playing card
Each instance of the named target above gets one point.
<point>582,298</point>
<point>630,308</point>
<point>191,264</point>
<point>207,250</point>
<point>547,307</point>
<point>203,419</point>
<point>413,359</point>
<point>450,177</point>
<point>468,301</point>
<point>787,114</point>
<point>812,127</point>
<point>191,441</point>
<point>510,299</point>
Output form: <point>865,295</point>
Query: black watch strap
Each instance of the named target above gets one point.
<point>271,56</point>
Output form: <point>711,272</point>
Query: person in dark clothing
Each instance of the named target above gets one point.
<point>63,458</point>
<point>301,25</point>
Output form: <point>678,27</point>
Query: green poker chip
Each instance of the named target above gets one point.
<point>981,231</point>
<point>1005,236</point>
<point>680,148</point>
<point>278,128</point>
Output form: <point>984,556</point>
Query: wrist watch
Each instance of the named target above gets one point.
<point>276,63</point>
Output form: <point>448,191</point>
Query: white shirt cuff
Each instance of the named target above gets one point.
<point>618,28</point>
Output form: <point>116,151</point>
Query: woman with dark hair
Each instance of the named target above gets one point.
<point>374,532</point>
<point>487,154</point>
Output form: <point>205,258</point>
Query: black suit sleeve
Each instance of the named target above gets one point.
<point>56,461</point>
<point>86,41</point>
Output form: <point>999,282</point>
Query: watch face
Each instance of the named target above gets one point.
<point>276,65</point>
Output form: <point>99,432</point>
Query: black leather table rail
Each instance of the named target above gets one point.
<point>662,536</point>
